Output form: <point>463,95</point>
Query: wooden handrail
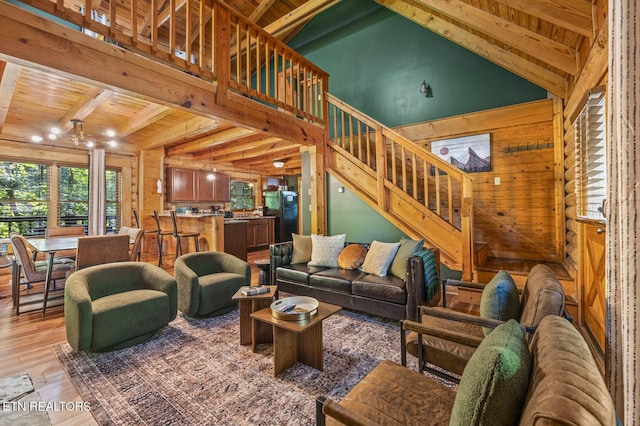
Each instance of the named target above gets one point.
<point>217,44</point>
<point>398,163</point>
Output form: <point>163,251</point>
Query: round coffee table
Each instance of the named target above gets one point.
<point>264,265</point>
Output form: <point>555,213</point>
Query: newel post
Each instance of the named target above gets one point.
<point>381,169</point>
<point>221,41</point>
<point>466,216</point>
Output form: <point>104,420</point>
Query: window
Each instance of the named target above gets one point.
<point>23,198</point>
<point>73,199</point>
<point>590,136</point>
<point>241,196</point>
<point>113,198</point>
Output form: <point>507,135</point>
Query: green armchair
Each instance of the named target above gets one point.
<point>208,280</point>
<point>116,305</point>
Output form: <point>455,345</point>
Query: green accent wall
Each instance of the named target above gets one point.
<point>376,60</point>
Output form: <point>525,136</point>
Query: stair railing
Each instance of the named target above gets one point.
<point>402,165</point>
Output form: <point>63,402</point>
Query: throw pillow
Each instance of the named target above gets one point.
<point>325,250</point>
<point>407,248</point>
<point>379,257</point>
<point>500,299</point>
<point>352,256</point>
<point>301,248</point>
<point>494,383</point>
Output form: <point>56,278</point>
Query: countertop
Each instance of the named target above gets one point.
<point>197,215</point>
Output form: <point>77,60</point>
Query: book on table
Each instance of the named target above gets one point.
<point>252,291</point>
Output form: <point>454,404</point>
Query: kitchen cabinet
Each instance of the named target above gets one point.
<point>181,185</point>
<point>235,241</point>
<point>260,232</point>
<point>193,186</point>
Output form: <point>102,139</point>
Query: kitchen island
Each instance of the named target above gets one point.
<point>229,235</point>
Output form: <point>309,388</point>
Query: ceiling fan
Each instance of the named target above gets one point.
<point>77,135</point>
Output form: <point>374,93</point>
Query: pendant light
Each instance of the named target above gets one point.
<point>211,176</point>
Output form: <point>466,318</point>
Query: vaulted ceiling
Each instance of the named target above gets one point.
<point>542,41</point>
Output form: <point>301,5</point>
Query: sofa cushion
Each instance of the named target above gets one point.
<point>325,250</point>
<point>566,385</point>
<point>543,295</point>
<point>216,291</point>
<point>379,258</point>
<point>298,272</point>
<point>500,299</point>
<point>352,256</point>
<point>123,316</point>
<point>337,279</point>
<point>301,248</point>
<point>496,398</point>
<point>407,248</point>
<point>390,288</point>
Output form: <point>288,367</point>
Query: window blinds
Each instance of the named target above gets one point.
<point>590,135</point>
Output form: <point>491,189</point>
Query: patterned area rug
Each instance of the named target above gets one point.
<point>196,372</point>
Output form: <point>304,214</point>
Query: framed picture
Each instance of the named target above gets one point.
<point>468,153</point>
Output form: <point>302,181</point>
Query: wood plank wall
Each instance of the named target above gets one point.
<point>518,217</point>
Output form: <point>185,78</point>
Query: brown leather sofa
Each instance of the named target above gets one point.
<point>561,385</point>
<point>542,295</point>
<point>389,296</point>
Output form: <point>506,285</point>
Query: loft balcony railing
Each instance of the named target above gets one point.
<point>208,39</point>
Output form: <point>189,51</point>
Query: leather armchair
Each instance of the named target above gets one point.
<point>208,280</point>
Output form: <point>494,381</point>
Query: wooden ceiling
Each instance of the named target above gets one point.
<point>544,42</point>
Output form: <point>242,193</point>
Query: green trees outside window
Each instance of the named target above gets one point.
<point>23,198</point>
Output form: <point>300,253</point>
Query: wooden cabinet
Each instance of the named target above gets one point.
<point>181,185</point>
<point>260,232</point>
<point>193,186</point>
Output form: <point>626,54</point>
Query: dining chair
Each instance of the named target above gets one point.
<point>135,241</point>
<point>32,271</point>
<point>161,234</point>
<point>101,249</point>
<point>136,219</point>
<point>63,232</point>
<point>179,235</point>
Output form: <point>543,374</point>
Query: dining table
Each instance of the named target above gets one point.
<point>49,247</point>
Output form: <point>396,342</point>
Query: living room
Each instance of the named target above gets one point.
<point>461,83</point>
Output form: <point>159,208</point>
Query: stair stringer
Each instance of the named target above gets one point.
<point>404,212</point>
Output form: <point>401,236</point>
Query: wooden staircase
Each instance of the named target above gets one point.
<point>418,192</point>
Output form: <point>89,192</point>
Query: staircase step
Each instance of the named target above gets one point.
<point>519,270</point>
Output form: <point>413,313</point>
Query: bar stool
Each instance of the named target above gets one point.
<point>160,233</point>
<point>179,235</point>
<point>146,231</point>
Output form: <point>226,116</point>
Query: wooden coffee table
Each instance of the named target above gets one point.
<point>293,341</point>
<point>249,304</point>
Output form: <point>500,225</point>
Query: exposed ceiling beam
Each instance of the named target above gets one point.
<point>9,74</point>
<point>260,10</point>
<point>238,145</point>
<point>275,148</point>
<point>574,15</point>
<point>529,42</point>
<point>84,107</point>
<point>298,16</point>
<point>143,118</point>
<point>162,17</point>
<point>211,140</point>
<point>192,128</point>
<point>544,78</point>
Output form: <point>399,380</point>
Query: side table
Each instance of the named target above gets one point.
<point>250,304</point>
<point>263,276</point>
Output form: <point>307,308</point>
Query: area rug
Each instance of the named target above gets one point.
<point>196,372</point>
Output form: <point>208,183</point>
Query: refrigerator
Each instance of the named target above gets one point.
<point>284,206</point>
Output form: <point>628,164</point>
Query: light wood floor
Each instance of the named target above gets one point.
<point>26,347</point>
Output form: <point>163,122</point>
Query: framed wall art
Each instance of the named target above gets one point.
<point>468,153</point>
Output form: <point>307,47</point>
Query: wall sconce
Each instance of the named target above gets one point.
<point>426,89</point>
<point>159,186</point>
<point>278,164</point>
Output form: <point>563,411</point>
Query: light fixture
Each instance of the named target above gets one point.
<point>211,176</point>
<point>426,89</point>
<point>250,180</point>
<point>278,164</point>
<point>159,186</point>
<point>76,135</point>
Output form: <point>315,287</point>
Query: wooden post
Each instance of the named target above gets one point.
<point>466,217</point>
<point>381,169</point>
<point>318,189</point>
<point>222,59</point>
